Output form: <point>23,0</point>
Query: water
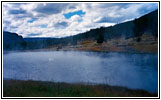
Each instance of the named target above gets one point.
<point>135,71</point>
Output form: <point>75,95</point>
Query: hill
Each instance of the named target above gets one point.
<point>127,36</point>
<point>12,41</point>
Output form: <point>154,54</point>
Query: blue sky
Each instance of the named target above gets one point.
<point>43,26</point>
<point>66,19</point>
<point>70,14</point>
<point>31,20</point>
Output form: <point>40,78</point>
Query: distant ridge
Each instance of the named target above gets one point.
<point>147,24</point>
<point>12,41</point>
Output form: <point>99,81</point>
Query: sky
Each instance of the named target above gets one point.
<point>66,19</point>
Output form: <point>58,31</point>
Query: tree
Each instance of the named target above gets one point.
<point>23,45</point>
<point>100,35</point>
<point>140,26</point>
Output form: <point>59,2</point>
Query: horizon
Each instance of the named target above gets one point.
<point>58,20</point>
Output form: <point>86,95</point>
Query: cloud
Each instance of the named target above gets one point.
<point>34,34</point>
<point>43,26</point>
<point>48,20</point>
<point>61,25</point>
<point>50,8</point>
<point>17,12</point>
<point>118,12</point>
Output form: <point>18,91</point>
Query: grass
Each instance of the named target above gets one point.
<point>148,44</point>
<point>17,88</point>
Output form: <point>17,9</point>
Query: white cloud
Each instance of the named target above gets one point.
<point>16,17</point>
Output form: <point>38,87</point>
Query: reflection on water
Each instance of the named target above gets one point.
<point>139,71</point>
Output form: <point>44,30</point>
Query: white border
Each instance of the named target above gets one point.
<point>81,1</point>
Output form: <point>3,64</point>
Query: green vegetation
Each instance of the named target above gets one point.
<point>16,88</point>
<point>138,39</point>
<point>100,37</point>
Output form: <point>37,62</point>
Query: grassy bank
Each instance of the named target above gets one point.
<point>147,44</point>
<point>17,88</point>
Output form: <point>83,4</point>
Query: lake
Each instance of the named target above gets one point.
<point>135,71</point>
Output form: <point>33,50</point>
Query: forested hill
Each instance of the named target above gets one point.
<point>13,41</point>
<point>147,24</point>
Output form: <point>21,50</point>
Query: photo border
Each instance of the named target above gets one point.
<point>82,97</point>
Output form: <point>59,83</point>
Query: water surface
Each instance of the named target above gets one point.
<point>135,71</point>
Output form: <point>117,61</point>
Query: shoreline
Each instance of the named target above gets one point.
<point>30,88</point>
<point>147,45</point>
<point>45,50</point>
